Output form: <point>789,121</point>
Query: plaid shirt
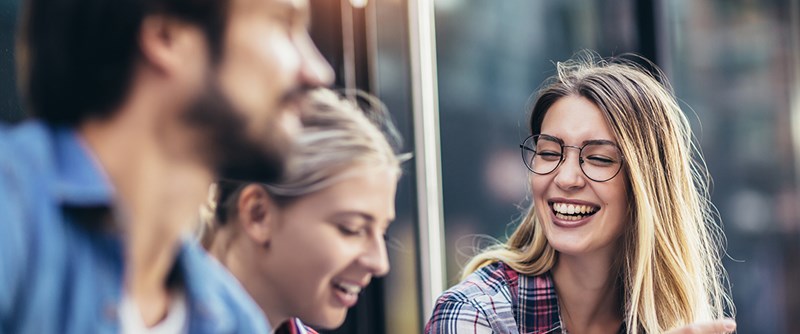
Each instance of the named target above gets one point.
<point>496,299</point>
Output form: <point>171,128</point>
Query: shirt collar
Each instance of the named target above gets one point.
<point>80,179</point>
<point>537,307</point>
<point>203,294</point>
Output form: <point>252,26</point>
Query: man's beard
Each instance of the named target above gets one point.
<point>224,143</point>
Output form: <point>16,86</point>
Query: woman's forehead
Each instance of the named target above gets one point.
<point>575,120</point>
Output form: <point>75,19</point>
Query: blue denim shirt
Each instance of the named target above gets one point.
<point>60,271</point>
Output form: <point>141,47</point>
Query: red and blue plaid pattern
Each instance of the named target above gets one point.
<point>294,326</point>
<point>497,299</point>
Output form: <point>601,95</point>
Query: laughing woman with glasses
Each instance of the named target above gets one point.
<point>620,236</point>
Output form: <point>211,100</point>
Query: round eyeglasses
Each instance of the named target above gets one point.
<point>600,160</point>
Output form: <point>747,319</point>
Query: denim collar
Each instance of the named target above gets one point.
<point>205,296</point>
<point>80,181</point>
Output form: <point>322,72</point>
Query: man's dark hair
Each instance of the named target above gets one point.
<point>76,57</point>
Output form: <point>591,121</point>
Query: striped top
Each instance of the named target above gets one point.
<point>294,326</point>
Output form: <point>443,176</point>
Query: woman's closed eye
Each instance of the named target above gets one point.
<point>600,160</point>
<point>549,155</point>
<point>352,231</point>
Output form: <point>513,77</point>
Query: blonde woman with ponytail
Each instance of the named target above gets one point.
<point>620,236</point>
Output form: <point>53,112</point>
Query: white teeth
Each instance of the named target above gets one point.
<point>349,288</point>
<point>573,209</point>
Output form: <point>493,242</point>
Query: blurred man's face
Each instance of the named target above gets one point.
<point>267,58</point>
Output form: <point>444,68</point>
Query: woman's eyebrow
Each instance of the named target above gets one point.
<point>557,139</point>
<point>369,219</point>
<point>354,214</point>
<point>588,141</point>
<point>599,141</point>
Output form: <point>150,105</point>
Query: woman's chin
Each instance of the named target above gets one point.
<point>569,246</point>
<point>331,320</point>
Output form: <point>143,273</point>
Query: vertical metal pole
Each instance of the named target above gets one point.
<point>348,47</point>
<point>422,38</point>
<point>371,23</point>
<point>794,91</point>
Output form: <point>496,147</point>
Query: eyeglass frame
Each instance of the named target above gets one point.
<point>524,148</point>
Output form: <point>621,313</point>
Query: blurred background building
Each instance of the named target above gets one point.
<point>457,75</point>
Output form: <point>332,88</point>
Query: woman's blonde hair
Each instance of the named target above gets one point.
<point>670,265</point>
<point>337,134</point>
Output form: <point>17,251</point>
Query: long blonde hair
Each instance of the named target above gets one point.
<point>671,271</point>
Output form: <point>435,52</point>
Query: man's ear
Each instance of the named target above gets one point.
<point>167,44</point>
<point>257,213</point>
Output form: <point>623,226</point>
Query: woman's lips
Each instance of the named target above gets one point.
<point>345,298</point>
<point>571,214</point>
<point>347,293</point>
